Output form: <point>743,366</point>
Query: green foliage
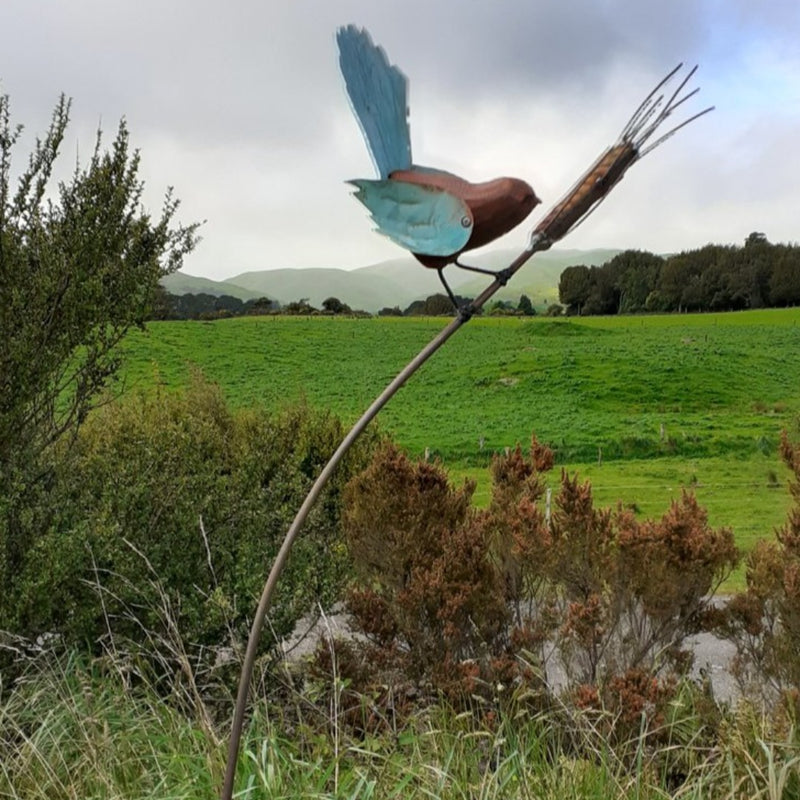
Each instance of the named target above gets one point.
<point>168,513</point>
<point>638,273</point>
<point>79,267</point>
<point>525,307</point>
<point>333,305</point>
<point>574,287</point>
<point>300,308</point>
<point>710,278</point>
<point>435,305</point>
<point>207,306</point>
<point>502,308</point>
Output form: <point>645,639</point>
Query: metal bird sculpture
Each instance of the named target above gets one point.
<point>435,214</point>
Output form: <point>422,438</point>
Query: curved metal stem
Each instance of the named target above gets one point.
<point>580,201</point>
<point>536,243</point>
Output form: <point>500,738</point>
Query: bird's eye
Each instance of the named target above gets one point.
<point>466,222</point>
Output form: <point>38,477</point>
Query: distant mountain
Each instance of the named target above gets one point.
<point>181,283</point>
<point>538,278</point>
<point>394,283</point>
<point>359,291</point>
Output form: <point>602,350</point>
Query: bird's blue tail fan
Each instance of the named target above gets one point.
<point>378,92</point>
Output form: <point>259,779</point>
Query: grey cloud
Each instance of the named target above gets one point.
<point>241,106</point>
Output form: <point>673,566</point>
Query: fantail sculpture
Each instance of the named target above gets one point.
<point>437,216</point>
<point>434,214</point>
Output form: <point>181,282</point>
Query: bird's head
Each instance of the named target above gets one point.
<point>498,206</point>
<point>522,194</point>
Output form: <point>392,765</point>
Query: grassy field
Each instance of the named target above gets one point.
<point>642,406</point>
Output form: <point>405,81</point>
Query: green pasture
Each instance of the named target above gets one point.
<point>642,406</point>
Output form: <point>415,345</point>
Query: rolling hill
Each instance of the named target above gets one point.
<point>393,283</point>
<point>183,283</point>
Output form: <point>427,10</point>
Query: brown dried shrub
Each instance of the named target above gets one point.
<point>474,600</point>
<point>427,583</point>
<point>764,621</point>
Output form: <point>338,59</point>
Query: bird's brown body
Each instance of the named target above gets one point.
<point>496,206</point>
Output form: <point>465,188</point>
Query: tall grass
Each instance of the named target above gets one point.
<point>78,729</point>
<point>71,729</point>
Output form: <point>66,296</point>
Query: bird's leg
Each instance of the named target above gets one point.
<point>448,289</point>
<point>465,310</point>
<point>501,276</point>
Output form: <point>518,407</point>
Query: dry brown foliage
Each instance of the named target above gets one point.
<point>764,621</point>
<point>471,602</point>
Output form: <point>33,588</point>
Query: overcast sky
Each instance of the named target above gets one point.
<point>240,106</point>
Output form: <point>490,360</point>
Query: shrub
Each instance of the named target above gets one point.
<point>467,600</point>
<point>80,262</point>
<point>173,503</point>
<point>764,621</point>
<point>423,563</point>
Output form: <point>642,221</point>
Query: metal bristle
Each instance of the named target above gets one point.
<point>653,112</point>
<point>626,133</point>
<point>674,130</point>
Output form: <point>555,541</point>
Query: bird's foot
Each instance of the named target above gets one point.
<point>466,311</point>
<point>501,276</point>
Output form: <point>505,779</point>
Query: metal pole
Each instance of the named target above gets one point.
<point>583,198</point>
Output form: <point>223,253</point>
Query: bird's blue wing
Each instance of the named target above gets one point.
<point>378,93</point>
<point>421,219</point>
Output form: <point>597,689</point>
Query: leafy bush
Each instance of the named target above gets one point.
<point>168,512</point>
<point>80,262</point>
<point>426,576</point>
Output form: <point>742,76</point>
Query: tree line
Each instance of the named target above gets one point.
<point>203,306</point>
<point>758,274</point>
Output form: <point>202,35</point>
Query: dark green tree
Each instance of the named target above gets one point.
<point>638,276</point>
<point>333,305</point>
<point>604,294</point>
<point>574,287</point>
<point>434,305</point>
<point>525,307</point>
<point>675,276</point>
<point>80,264</point>
<point>502,308</point>
<point>756,239</point>
<point>163,305</point>
<point>752,271</point>
<point>299,307</point>
<point>261,305</point>
<point>234,306</point>
<point>784,285</point>
<point>438,305</point>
